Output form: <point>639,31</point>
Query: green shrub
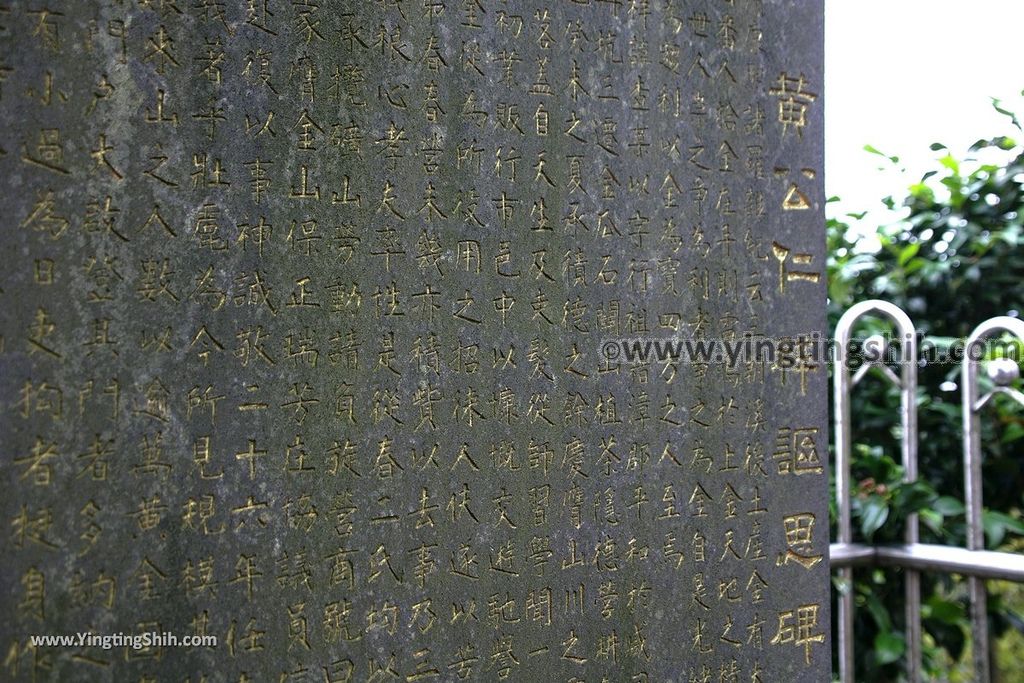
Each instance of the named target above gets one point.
<point>951,258</point>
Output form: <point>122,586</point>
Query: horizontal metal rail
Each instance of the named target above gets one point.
<point>928,557</point>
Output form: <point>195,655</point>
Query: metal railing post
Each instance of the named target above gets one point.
<point>842,384</point>
<point>1002,373</point>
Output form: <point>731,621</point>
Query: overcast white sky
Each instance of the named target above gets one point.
<point>902,74</point>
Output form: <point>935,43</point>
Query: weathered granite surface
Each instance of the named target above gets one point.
<point>310,321</point>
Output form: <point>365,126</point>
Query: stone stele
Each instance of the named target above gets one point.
<point>365,338</point>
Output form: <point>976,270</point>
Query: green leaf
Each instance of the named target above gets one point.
<point>889,647</point>
<point>946,611</point>
<point>997,104</point>
<point>996,525</point>
<point>1013,431</point>
<point>951,163</point>
<point>994,530</point>
<point>932,519</point>
<point>874,150</point>
<point>948,507</point>
<point>841,584</point>
<point>1011,524</point>
<point>878,611</point>
<point>873,514</point>
<point>908,252</point>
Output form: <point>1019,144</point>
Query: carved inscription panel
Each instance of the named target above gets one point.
<point>314,320</point>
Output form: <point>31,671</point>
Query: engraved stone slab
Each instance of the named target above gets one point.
<point>316,336</point>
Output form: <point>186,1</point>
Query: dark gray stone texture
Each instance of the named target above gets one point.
<point>305,317</point>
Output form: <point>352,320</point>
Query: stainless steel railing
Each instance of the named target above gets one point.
<point>843,383</point>
<point>1002,373</point>
<point>973,561</point>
